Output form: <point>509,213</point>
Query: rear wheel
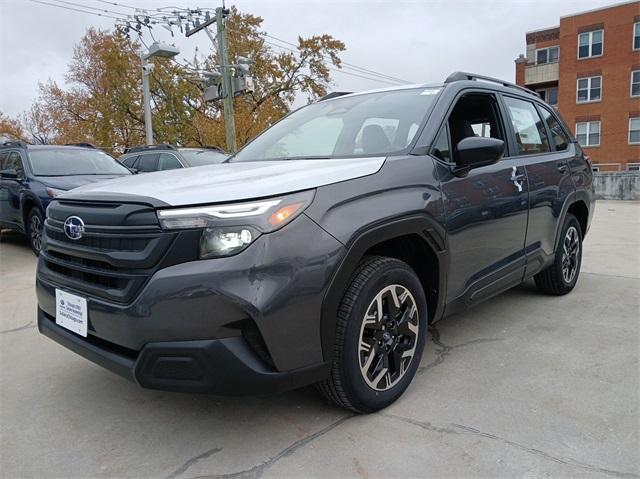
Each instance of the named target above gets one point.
<point>380,335</point>
<point>561,277</point>
<point>35,224</point>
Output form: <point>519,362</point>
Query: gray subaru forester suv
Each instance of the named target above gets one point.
<point>323,250</point>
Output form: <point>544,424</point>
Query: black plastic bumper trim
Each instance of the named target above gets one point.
<point>114,362</point>
<point>221,366</point>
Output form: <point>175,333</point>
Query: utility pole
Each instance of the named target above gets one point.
<point>227,84</point>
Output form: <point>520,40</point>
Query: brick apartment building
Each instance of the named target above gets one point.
<point>589,68</point>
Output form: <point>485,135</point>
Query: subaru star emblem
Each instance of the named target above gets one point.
<point>74,227</point>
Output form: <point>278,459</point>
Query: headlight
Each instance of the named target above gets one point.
<point>230,228</point>
<point>53,192</point>
<point>225,241</point>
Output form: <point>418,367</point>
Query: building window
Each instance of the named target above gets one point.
<point>634,131</point>
<point>635,83</point>
<point>547,55</point>
<point>589,89</point>
<point>588,133</point>
<point>550,95</point>
<point>633,166</point>
<point>636,36</point>
<point>590,44</point>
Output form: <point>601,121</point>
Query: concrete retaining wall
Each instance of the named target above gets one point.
<point>624,185</point>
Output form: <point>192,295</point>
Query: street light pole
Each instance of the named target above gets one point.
<point>155,50</point>
<point>146,100</point>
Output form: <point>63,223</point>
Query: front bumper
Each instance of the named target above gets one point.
<point>255,314</point>
<point>220,366</point>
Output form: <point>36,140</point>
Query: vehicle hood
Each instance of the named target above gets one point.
<point>74,181</point>
<point>228,182</point>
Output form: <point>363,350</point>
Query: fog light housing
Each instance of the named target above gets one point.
<point>217,242</point>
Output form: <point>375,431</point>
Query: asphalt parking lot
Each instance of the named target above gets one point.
<point>522,386</point>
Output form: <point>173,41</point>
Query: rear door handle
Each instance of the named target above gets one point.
<point>562,168</point>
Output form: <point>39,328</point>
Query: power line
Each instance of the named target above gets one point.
<point>346,64</point>
<point>116,4</point>
<point>76,9</point>
<point>388,82</point>
<point>159,9</point>
<point>89,7</point>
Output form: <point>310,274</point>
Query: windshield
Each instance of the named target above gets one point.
<point>203,157</point>
<point>371,124</point>
<point>71,161</point>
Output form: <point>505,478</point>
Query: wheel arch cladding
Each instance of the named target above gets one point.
<point>27,204</point>
<point>580,210</point>
<point>416,240</point>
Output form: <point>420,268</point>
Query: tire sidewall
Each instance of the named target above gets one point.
<point>33,212</point>
<point>367,399</point>
<point>569,221</point>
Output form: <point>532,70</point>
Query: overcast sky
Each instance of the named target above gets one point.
<point>420,41</point>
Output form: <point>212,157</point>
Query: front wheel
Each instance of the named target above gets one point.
<point>380,335</point>
<point>561,277</point>
<point>35,224</point>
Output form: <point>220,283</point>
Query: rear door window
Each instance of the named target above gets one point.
<point>168,162</point>
<point>147,163</point>
<point>530,133</point>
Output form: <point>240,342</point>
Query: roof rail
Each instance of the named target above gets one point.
<point>334,94</point>
<point>207,147</point>
<point>136,149</point>
<point>15,144</point>
<point>83,145</point>
<point>460,76</point>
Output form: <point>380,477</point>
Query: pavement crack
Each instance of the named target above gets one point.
<point>29,325</point>
<point>457,429</point>
<point>562,460</point>
<point>444,350</point>
<point>187,464</point>
<point>422,424</point>
<point>609,275</point>
<point>258,470</point>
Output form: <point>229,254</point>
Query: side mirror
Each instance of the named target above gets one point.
<point>477,151</point>
<point>9,174</point>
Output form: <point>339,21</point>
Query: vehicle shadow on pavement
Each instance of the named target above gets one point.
<point>13,238</point>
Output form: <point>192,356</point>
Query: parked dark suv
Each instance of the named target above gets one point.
<point>321,251</point>
<point>31,175</point>
<point>145,159</point>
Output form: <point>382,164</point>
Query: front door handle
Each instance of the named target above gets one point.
<point>517,178</point>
